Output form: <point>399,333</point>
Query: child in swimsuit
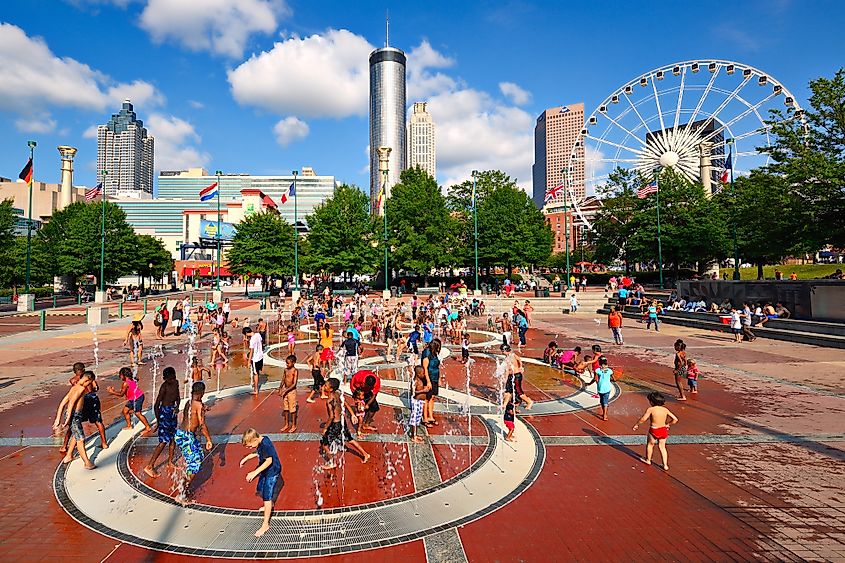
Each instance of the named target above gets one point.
<point>193,420</point>
<point>291,339</point>
<point>419,389</point>
<point>509,420</point>
<point>134,398</point>
<point>166,409</point>
<point>692,376</point>
<point>659,418</point>
<point>361,408</point>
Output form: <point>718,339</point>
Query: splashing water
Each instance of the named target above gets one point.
<point>189,355</point>
<point>158,352</point>
<point>96,346</point>
<point>469,364</point>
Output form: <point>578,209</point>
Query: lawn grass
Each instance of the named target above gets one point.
<point>804,271</point>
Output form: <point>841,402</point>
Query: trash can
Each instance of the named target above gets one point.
<point>538,292</point>
<point>546,292</point>
<point>394,291</point>
<point>556,287</point>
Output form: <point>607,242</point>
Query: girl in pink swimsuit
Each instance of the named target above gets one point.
<point>134,398</point>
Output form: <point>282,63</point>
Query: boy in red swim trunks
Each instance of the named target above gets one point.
<point>660,418</point>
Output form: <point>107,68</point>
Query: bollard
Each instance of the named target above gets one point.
<point>192,299</point>
<point>205,297</point>
<point>145,305</point>
<point>120,310</point>
<point>79,300</point>
<point>42,321</point>
<point>54,301</point>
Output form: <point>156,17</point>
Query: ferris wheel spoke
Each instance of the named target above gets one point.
<point>680,99</point>
<point>611,143</point>
<point>659,112</point>
<point>630,133</point>
<point>687,132</point>
<point>748,111</point>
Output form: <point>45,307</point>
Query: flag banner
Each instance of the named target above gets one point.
<point>284,198</point>
<point>91,195</point>
<point>26,173</point>
<point>292,190</point>
<point>726,170</point>
<point>552,193</point>
<point>379,198</point>
<point>209,192</point>
<point>647,190</point>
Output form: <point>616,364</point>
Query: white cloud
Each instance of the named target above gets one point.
<point>222,27</point>
<point>90,133</point>
<point>175,141</point>
<point>514,93</point>
<point>35,79</point>
<point>423,83</point>
<point>196,104</point>
<point>290,129</point>
<point>41,123</point>
<point>140,93</point>
<point>317,76</point>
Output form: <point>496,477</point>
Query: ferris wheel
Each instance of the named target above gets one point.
<point>689,115</point>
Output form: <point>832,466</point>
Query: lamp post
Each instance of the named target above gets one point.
<point>217,235</point>
<point>384,167</point>
<point>296,234</point>
<point>475,222</point>
<point>564,172</point>
<point>103,234</point>
<point>736,274</point>
<point>31,145</point>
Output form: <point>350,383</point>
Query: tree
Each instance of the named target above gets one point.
<point>612,223</point>
<point>511,230</point>
<point>809,153</point>
<point>421,233</point>
<point>73,236</point>
<point>262,246</point>
<point>341,234</point>
<point>150,250</point>
<point>13,266</point>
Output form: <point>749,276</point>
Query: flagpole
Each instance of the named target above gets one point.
<point>32,145</point>
<point>218,173</point>
<point>103,234</point>
<point>736,274</point>
<point>564,172</point>
<point>296,233</point>
<point>659,243</point>
<point>475,222</point>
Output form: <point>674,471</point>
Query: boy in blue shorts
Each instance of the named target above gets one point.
<point>602,377</point>
<point>269,472</point>
<point>193,422</point>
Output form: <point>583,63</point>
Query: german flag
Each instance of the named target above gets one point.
<point>26,173</point>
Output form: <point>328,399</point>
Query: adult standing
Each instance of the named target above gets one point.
<point>746,323</point>
<point>515,372</point>
<point>528,308</point>
<point>573,282</point>
<point>583,283</point>
<point>680,370</point>
<point>614,323</point>
<point>227,308</point>
<point>178,318</point>
<point>431,365</point>
<point>522,327</point>
<point>254,356</point>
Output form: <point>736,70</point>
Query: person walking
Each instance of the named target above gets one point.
<point>680,370</point>
<point>614,323</point>
<point>746,317</point>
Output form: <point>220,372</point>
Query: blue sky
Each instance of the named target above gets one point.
<point>268,86</point>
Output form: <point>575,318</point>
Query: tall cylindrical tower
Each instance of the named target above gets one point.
<point>67,154</point>
<point>387,116</point>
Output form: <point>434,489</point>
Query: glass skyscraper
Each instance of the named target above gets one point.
<point>387,115</point>
<point>125,155</point>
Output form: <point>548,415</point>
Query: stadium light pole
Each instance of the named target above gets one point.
<point>475,222</point>
<point>31,145</point>
<point>217,236</point>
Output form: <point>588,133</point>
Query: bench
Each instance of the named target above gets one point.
<point>343,292</point>
<point>427,291</point>
<point>259,295</point>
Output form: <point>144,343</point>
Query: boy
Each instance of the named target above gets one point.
<point>692,376</point>
<point>254,356</point>
<point>660,418</point>
<point>509,418</point>
<point>465,347</point>
<point>419,388</point>
<point>602,377</point>
<point>166,408</point>
<point>337,435</point>
<point>193,419</point>
<point>287,391</point>
<point>74,400</point>
<point>315,363</point>
<point>513,365</point>
<point>351,347</point>
<point>269,472</point>
<point>91,411</point>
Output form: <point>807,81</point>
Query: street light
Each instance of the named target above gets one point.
<point>31,145</point>
<point>296,233</point>
<point>564,172</point>
<point>217,236</point>
<point>736,274</point>
<point>103,234</point>
<point>475,222</point>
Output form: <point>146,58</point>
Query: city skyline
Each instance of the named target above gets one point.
<point>422,139</point>
<point>125,155</point>
<point>219,94</point>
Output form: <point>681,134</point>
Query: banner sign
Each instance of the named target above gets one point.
<point>208,230</point>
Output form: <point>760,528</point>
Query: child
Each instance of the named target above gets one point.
<point>193,420</point>
<point>420,387</point>
<point>74,402</point>
<point>166,408</point>
<point>692,376</point>
<point>291,339</point>
<point>361,408</point>
<point>490,326</point>
<point>91,411</point>
<point>509,418</point>
<point>269,472</point>
<point>287,391</point>
<point>550,353</point>
<point>134,398</point>
<point>660,418</point>
<point>413,340</point>
<point>197,370</point>
<point>315,363</point>
<point>602,377</point>
<point>337,435</point>
<point>465,347</point>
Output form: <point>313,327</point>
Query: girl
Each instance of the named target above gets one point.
<point>361,409</point>
<point>218,355</point>
<point>680,370</point>
<point>528,308</point>
<point>134,398</point>
<point>291,339</point>
<point>227,308</point>
<point>134,341</point>
<point>692,376</point>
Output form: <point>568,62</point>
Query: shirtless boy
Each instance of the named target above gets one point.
<point>337,435</point>
<point>315,363</point>
<point>166,409</point>
<point>193,420</point>
<point>91,410</point>
<point>505,326</point>
<point>74,401</point>
<point>513,387</point>
<point>659,418</point>
<point>287,391</point>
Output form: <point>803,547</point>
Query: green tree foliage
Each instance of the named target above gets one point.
<point>341,234</point>
<point>612,222</point>
<point>809,152</point>
<point>511,230</point>
<point>73,237</point>
<point>13,253</point>
<point>150,250</point>
<point>421,232</point>
<point>262,246</point>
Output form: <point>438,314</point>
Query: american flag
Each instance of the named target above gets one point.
<point>91,195</point>
<point>647,190</point>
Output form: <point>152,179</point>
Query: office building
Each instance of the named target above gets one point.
<point>421,149</point>
<point>387,116</point>
<point>125,154</point>
<point>555,134</point>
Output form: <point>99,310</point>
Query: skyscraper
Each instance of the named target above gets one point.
<point>421,140</point>
<point>555,134</point>
<point>125,154</point>
<point>387,116</point>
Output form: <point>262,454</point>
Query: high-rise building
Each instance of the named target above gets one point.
<point>387,116</point>
<point>555,134</point>
<point>421,150</point>
<point>125,155</point>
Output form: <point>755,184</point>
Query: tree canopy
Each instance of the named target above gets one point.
<point>262,246</point>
